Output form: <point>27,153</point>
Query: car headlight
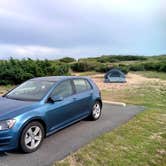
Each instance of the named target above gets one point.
<point>7,124</point>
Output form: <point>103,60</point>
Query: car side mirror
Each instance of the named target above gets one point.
<point>55,98</point>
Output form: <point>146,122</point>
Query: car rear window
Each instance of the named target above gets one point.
<point>81,85</point>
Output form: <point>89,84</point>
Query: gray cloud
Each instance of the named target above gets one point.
<point>58,28</point>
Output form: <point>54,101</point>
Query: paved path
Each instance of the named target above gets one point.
<point>70,139</point>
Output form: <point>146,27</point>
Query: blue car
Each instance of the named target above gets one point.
<point>41,106</point>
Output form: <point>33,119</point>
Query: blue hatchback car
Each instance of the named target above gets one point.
<point>41,106</point>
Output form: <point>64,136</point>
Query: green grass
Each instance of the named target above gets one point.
<point>140,142</point>
<point>153,74</point>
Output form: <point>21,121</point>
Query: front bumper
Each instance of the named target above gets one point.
<point>8,140</point>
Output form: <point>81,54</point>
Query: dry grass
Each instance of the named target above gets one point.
<point>4,89</point>
<point>133,80</point>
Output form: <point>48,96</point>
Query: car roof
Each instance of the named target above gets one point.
<point>57,78</point>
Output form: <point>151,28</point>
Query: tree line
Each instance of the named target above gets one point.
<point>14,71</point>
<point>105,63</point>
<point>100,67</point>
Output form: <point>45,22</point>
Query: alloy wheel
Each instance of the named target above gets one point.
<point>33,137</point>
<point>96,111</point>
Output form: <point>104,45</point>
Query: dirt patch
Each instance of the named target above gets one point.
<point>133,80</point>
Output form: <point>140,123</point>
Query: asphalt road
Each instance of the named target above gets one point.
<point>70,139</point>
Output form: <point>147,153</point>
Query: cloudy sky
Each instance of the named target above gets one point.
<point>79,28</point>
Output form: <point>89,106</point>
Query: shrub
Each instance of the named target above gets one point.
<point>162,67</point>
<point>63,69</point>
<point>123,68</point>
<point>102,68</point>
<point>16,71</point>
<point>82,66</point>
<point>67,60</point>
<point>136,67</point>
<point>118,58</point>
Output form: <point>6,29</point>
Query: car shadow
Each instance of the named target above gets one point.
<point>7,153</point>
<point>3,154</point>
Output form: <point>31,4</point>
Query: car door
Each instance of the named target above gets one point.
<point>60,112</point>
<point>82,97</point>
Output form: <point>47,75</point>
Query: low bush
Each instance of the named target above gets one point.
<point>136,67</point>
<point>102,68</point>
<point>123,68</point>
<point>118,58</point>
<point>67,60</point>
<point>82,66</point>
<point>149,66</point>
<point>16,71</point>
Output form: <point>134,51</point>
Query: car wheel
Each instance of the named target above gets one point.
<point>32,137</point>
<point>96,111</point>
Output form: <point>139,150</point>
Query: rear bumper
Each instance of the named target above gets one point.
<point>8,140</point>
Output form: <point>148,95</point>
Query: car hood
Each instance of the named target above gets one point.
<point>11,108</point>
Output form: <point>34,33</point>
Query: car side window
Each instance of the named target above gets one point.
<point>81,85</point>
<point>64,89</point>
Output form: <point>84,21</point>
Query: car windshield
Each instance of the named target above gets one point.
<point>33,90</point>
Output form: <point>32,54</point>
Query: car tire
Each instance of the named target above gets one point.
<point>96,111</point>
<point>32,137</point>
